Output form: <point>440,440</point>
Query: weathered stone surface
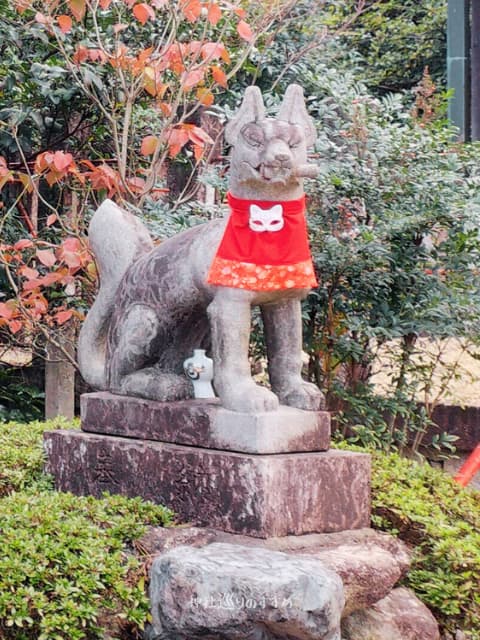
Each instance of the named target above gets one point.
<point>399,616</point>
<point>259,495</point>
<point>370,563</point>
<point>236,592</point>
<point>204,423</point>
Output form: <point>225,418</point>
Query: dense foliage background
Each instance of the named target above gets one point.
<point>393,214</point>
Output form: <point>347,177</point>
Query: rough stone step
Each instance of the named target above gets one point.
<point>369,563</point>
<point>207,584</point>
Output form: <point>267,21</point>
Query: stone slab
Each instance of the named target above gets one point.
<point>204,423</point>
<point>257,495</point>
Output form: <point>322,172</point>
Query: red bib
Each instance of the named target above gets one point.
<point>264,247</point>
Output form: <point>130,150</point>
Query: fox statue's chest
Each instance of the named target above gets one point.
<point>264,247</point>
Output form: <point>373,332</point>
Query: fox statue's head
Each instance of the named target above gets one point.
<point>269,155</point>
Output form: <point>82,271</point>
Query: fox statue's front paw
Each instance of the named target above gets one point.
<point>246,397</point>
<point>306,396</point>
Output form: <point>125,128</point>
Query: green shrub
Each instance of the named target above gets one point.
<point>21,454</point>
<point>65,570</point>
<point>393,220</point>
<point>441,521</point>
<point>19,399</point>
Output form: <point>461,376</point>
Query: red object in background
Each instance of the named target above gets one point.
<point>469,468</point>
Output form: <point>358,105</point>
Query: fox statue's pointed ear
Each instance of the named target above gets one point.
<point>293,110</point>
<point>251,110</point>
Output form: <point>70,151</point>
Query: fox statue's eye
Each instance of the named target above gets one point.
<point>253,135</point>
<point>295,137</point>
<point>295,141</point>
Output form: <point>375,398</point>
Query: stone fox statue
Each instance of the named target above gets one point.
<point>195,290</point>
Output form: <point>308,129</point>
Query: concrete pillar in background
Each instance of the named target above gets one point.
<point>458,64</point>
<point>475,69</point>
<point>60,378</point>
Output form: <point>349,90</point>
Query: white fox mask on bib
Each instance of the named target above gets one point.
<point>266,219</point>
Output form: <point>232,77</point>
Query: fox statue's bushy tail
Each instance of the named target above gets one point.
<point>117,238</point>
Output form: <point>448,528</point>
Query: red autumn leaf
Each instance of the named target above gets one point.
<point>23,244</point>
<point>52,218</point>
<point>46,257</point>
<point>149,145</point>
<point>219,76</point>
<point>204,96</point>
<point>97,55</point>
<point>5,175</point>
<point>191,9</point>
<point>41,18</point>
<point>6,310</point>
<point>65,23</point>
<point>119,27</point>
<point>143,12</point>
<point>71,244</point>
<point>198,136</point>
<point>198,152</point>
<point>214,13</point>
<point>43,161</point>
<point>62,316</point>
<point>30,285</point>
<point>62,160</point>
<point>77,7</point>
<point>37,303</point>
<point>105,4</point>
<point>137,185</point>
<point>80,55</point>
<point>22,5</point>
<point>177,139</point>
<point>244,31</point>
<point>70,253</point>
<point>214,50</point>
<point>165,108</point>
<point>45,281</point>
<point>192,78</point>
<point>3,167</point>
<point>15,326</point>
<point>51,278</point>
<point>104,177</point>
<point>28,272</point>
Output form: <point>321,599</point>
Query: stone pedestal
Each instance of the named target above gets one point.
<point>262,475</point>
<point>204,423</point>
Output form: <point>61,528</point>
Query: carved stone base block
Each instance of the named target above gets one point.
<point>204,423</point>
<point>257,495</point>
